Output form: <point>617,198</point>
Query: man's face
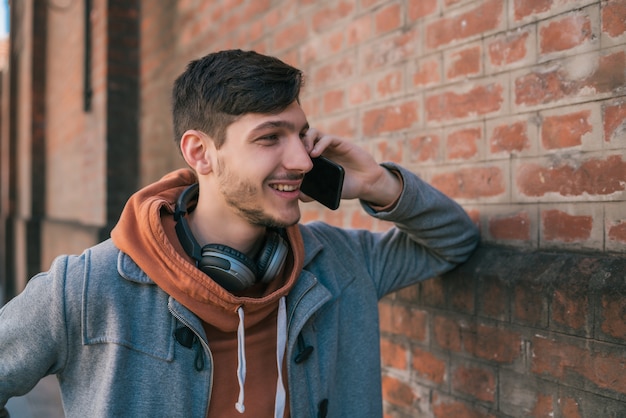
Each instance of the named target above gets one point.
<point>260,167</point>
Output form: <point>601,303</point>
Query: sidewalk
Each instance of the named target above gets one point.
<point>44,401</point>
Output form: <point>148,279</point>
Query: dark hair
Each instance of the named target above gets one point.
<point>219,88</point>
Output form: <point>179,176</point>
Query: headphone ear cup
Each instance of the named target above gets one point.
<point>272,257</point>
<point>231,269</point>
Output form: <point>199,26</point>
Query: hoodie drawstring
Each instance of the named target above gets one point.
<point>241,358</point>
<point>281,344</point>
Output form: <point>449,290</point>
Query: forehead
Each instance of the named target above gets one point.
<point>291,118</point>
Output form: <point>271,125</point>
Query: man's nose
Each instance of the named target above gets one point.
<point>296,156</point>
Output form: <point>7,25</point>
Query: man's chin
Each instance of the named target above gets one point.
<point>284,221</point>
<point>281,223</point>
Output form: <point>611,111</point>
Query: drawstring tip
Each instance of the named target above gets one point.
<point>240,407</point>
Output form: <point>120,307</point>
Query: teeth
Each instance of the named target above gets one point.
<point>285,188</point>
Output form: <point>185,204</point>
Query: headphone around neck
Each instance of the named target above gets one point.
<point>229,268</point>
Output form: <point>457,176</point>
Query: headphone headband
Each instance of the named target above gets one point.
<point>190,245</point>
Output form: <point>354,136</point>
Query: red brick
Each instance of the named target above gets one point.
<point>390,118</point>
<point>386,51</point>
<point>418,9</point>
<point>390,84</point>
<point>465,63</point>
<point>570,307</point>
<point>570,409</point>
<point>560,226</point>
<point>463,144</point>
<point>462,296</point>
<point>290,36</point>
<point>515,227</point>
<point>487,16</point>
<point>388,18</point>
<point>328,16</point>
<point>476,381</point>
<point>525,8</point>
<point>433,292</point>
<point>617,232</point>
<point>403,321</point>
<point>494,344</point>
<point>455,409</point>
<point>393,355</point>
<point>447,333</point>
<point>614,121</point>
<point>474,215</point>
<point>494,299</point>
<point>390,151</point>
<point>509,138</point>
<point>359,30</point>
<point>324,46</point>
<point>480,100</point>
<point>343,127</point>
<point>529,306</point>
<point>565,131</point>
<point>471,183</point>
<point>361,220</point>
<point>255,8</point>
<point>360,92</point>
<point>614,316</point>
<point>614,18</point>
<point>549,86</point>
<point>333,101</point>
<point>564,361</point>
<point>427,73</point>
<point>408,294</point>
<point>428,366</point>
<point>594,177</point>
<point>423,148</point>
<point>397,392</point>
<point>338,70</point>
<point>508,50</point>
<point>563,34</point>
<point>543,407</point>
<point>333,218</point>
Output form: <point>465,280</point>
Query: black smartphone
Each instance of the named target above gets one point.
<point>324,182</point>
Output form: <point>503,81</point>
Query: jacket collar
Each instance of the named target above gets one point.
<point>129,270</point>
<point>307,295</point>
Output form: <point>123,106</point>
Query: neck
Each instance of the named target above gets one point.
<point>215,229</point>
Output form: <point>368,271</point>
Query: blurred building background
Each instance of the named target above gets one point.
<point>516,109</point>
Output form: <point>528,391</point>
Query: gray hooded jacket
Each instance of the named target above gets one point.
<point>113,338</point>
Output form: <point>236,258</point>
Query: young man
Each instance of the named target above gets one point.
<point>210,299</point>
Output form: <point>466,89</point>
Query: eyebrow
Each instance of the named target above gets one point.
<point>272,124</point>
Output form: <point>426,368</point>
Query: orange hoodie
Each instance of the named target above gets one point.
<point>146,233</point>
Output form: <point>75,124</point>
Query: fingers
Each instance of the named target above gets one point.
<point>316,142</point>
<point>310,138</point>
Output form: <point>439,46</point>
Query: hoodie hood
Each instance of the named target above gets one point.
<point>146,232</point>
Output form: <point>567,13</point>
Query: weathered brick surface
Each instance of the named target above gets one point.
<point>547,337</point>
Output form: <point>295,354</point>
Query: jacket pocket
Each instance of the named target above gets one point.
<point>134,315</point>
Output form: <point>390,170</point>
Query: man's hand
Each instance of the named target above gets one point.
<point>365,179</point>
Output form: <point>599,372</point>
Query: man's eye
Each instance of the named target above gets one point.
<point>271,137</point>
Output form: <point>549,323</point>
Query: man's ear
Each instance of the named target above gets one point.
<point>198,149</point>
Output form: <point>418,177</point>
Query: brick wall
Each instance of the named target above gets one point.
<point>516,109</point>
<point>509,334</point>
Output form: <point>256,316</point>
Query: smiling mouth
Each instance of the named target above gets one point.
<point>285,187</point>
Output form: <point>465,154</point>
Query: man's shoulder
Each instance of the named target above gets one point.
<point>103,255</point>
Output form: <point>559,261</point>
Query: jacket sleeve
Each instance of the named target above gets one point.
<point>33,334</point>
<point>432,235</point>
